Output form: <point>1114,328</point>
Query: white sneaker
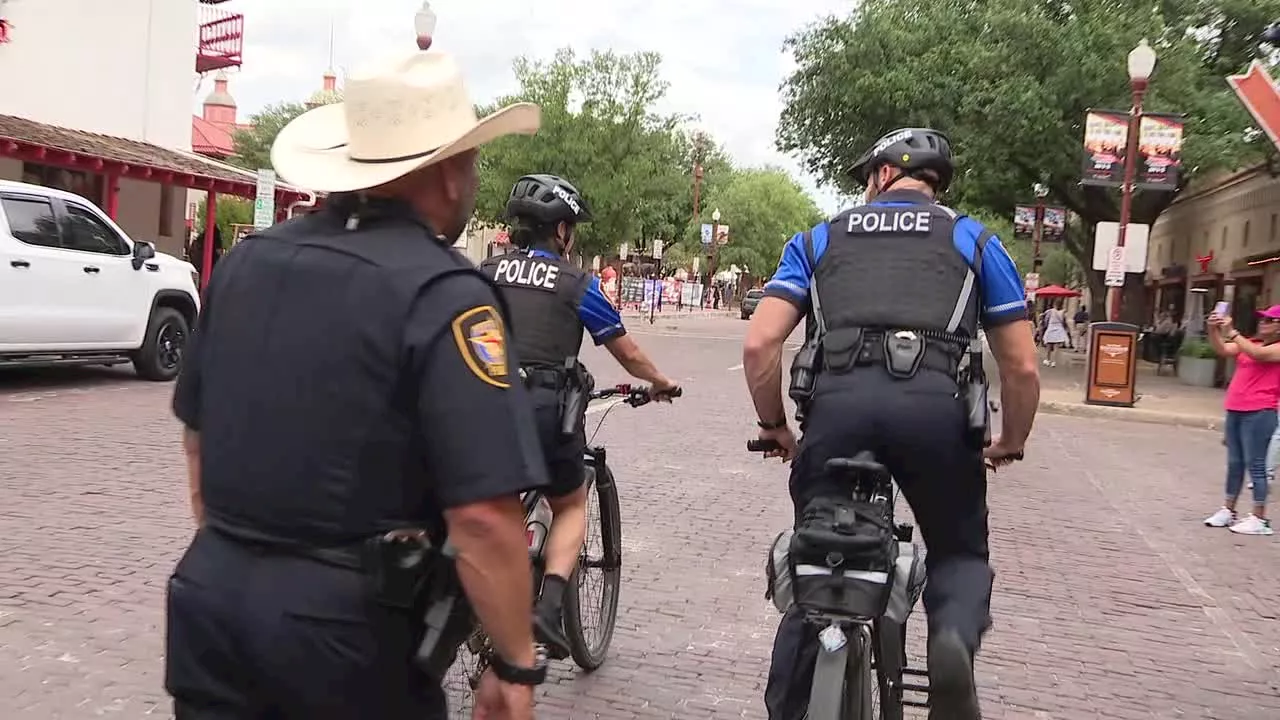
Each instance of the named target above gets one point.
<point>1053,363</point>
<point>1045,363</point>
<point>1222,518</point>
<point>1252,525</point>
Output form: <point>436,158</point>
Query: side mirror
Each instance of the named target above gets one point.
<point>142,252</point>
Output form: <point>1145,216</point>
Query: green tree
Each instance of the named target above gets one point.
<point>600,131</point>
<point>253,144</point>
<point>1010,81</point>
<point>230,211</point>
<point>763,208</point>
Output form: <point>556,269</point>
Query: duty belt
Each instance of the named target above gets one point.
<point>937,355</point>
<point>349,557</point>
<point>543,377</point>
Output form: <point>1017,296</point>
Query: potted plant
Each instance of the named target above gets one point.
<point>1197,363</point>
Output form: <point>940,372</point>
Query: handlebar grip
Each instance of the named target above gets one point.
<point>762,445</point>
<point>674,392</point>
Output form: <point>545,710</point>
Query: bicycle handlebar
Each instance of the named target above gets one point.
<point>768,445</point>
<point>635,396</point>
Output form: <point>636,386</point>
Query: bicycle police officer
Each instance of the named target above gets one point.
<point>348,394</point>
<point>889,288</point>
<point>550,302</point>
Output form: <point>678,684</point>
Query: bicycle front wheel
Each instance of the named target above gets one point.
<point>591,600</point>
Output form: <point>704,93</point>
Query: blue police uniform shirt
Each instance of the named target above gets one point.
<point>599,317</point>
<point>1003,299</point>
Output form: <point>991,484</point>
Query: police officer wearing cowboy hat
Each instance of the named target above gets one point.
<point>895,290</point>
<point>349,399</point>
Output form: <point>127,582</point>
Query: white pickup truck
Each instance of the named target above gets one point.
<point>75,289</point>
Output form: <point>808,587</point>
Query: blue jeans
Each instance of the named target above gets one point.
<point>1248,435</point>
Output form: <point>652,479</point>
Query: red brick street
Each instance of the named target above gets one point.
<point>1112,600</point>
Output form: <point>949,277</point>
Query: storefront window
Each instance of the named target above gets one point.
<point>86,185</point>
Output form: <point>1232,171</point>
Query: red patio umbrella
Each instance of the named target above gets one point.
<point>1056,291</point>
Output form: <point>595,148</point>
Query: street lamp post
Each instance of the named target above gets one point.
<point>1037,231</point>
<point>424,22</point>
<point>1142,62</point>
<point>715,252</point>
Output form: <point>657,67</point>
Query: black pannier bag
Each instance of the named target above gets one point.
<point>842,558</point>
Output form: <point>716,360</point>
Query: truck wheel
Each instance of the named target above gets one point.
<point>160,357</point>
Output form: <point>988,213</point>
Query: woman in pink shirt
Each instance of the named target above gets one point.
<point>1251,403</point>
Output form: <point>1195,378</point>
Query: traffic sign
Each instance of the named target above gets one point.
<point>1115,267</point>
<point>264,202</point>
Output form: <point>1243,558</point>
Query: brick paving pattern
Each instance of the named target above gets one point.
<point>1112,600</point>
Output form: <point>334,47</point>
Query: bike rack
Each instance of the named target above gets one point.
<point>915,687</point>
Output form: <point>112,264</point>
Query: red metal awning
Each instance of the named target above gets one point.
<point>31,141</point>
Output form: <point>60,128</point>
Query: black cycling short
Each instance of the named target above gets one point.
<point>565,463</point>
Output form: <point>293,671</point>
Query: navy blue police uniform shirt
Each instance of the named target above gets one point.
<point>330,401</point>
<point>1003,299</point>
<point>599,317</point>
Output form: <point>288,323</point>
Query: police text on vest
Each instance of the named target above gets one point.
<point>531,274</point>
<point>889,221</point>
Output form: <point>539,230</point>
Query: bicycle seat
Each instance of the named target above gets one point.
<point>863,462</point>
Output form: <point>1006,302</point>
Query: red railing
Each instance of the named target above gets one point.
<point>221,39</point>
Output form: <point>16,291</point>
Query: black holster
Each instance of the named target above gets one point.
<point>396,566</point>
<point>974,391</point>
<point>447,617</point>
<point>574,398</point>
<point>804,373</point>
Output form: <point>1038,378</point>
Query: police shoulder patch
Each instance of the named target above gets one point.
<point>482,341</point>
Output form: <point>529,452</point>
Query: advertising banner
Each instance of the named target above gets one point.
<point>1160,151</point>
<point>1106,135</point>
<point>1055,224</point>
<point>1024,221</point>
<point>632,291</point>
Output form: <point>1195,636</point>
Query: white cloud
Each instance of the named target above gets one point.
<point>723,58</point>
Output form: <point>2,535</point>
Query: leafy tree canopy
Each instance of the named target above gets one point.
<point>763,208</point>
<point>253,145</point>
<point>1010,81</point>
<point>601,132</point>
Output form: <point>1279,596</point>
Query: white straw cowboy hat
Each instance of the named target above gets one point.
<point>399,115</point>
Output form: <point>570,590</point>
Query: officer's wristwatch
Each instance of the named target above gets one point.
<point>515,675</point>
<point>777,425</point>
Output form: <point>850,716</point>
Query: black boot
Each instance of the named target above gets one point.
<point>547,618</point>
<point>953,694</point>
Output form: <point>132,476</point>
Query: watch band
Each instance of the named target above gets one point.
<point>778,425</point>
<point>509,673</point>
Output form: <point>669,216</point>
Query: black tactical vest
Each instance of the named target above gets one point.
<point>897,268</point>
<point>306,304</point>
<point>542,295</point>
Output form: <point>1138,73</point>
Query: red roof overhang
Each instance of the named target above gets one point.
<point>78,150</point>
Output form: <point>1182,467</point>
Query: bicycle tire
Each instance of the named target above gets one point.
<point>861,690</point>
<point>588,653</point>
<point>890,660</point>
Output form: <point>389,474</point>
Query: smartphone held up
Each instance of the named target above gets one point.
<point>1221,310</point>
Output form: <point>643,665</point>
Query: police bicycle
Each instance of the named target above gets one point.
<point>861,672</point>
<point>589,617</point>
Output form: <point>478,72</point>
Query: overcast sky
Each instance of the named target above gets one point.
<point>723,58</point>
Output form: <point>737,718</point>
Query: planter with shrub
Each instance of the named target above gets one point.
<point>1197,363</point>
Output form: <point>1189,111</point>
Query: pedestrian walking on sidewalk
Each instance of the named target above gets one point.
<point>1055,333</point>
<point>1251,402</point>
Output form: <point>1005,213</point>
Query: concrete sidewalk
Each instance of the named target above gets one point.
<point>1162,399</point>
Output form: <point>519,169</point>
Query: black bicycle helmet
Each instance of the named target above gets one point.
<point>547,199</point>
<point>913,150</point>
